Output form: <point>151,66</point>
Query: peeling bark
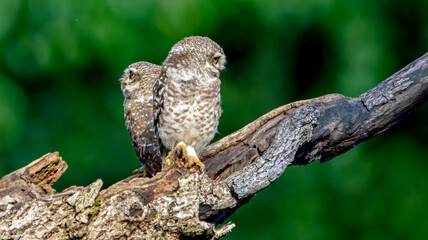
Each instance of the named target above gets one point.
<point>178,203</point>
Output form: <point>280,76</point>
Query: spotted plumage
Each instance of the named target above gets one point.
<point>186,102</point>
<point>137,87</point>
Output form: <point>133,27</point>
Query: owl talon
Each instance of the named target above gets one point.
<point>178,154</point>
<point>142,170</point>
<point>187,164</point>
<point>181,151</point>
<point>185,156</point>
<point>191,161</point>
<point>201,168</point>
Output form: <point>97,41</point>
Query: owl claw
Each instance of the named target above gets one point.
<point>191,161</point>
<point>178,154</point>
<point>142,170</point>
<point>180,151</point>
<point>184,156</point>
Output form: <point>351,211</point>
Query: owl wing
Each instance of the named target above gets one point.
<point>158,102</point>
<point>139,123</point>
<point>158,96</point>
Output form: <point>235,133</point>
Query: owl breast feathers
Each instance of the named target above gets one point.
<point>186,93</point>
<point>178,103</point>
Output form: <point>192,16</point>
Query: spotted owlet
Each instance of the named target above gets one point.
<point>186,97</point>
<point>137,87</point>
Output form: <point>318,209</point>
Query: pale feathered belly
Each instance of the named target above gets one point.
<point>193,121</point>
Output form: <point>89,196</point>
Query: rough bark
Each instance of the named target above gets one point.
<point>178,203</point>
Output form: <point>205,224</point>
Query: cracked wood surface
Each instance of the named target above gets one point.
<point>178,203</point>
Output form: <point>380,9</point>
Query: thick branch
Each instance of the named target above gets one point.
<point>177,202</point>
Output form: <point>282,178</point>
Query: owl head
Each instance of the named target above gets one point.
<point>137,78</point>
<point>193,56</point>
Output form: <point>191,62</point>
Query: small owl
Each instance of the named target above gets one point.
<point>186,97</point>
<point>137,87</point>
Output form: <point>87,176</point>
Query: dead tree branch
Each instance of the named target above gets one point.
<point>179,203</point>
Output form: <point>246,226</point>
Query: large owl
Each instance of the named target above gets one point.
<point>186,97</point>
<point>137,87</point>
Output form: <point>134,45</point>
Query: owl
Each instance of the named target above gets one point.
<point>186,98</point>
<point>137,87</point>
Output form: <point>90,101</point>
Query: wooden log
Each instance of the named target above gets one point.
<point>179,203</point>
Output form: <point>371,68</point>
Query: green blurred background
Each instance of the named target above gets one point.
<point>59,67</point>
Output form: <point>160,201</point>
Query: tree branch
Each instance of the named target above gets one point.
<point>178,203</point>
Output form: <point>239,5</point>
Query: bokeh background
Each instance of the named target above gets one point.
<point>60,62</point>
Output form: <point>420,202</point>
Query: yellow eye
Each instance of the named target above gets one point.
<point>215,59</point>
<point>131,75</point>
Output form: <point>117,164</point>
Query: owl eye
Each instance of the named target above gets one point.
<point>131,75</point>
<point>215,59</point>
